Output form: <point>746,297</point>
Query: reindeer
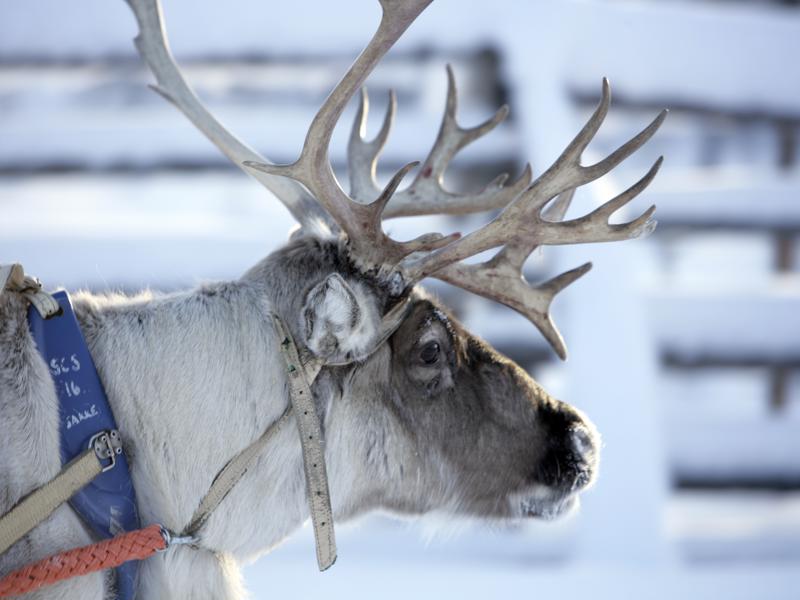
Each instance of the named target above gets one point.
<point>418,413</point>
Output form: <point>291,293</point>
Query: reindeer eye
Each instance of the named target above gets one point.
<point>430,353</point>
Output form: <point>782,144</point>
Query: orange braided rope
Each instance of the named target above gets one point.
<point>107,554</point>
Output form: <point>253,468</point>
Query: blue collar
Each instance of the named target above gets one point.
<point>108,504</point>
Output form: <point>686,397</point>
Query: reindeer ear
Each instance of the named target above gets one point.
<point>339,319</point>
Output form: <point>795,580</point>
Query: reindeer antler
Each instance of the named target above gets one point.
<point>361,222</point>
<point>532,213</point>
<point>154,49</point>
<point>426,195</point>
<point>526,223</point>
<point>501,279</point>
<point>522,218</point>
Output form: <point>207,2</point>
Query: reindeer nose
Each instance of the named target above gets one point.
<point>582,442</point>
<point>583,459</point>
<point>571,458</point>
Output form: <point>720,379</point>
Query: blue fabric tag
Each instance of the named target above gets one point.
<point>108,503</point>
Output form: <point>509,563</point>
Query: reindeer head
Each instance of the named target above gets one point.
<point>424,415</point>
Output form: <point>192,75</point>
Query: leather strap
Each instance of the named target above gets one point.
<point>13,278</point>
<point>308,424</point>
<point>230,474</point>
<point>39,504</point>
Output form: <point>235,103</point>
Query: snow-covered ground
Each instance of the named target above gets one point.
<point>138,207</point>
<point>381,560</point>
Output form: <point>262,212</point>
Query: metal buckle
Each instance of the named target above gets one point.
<point>106,445</point>
<point>171,539</point>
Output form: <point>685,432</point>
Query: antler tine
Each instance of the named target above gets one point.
<point>595,227</point>
<point>503,282</point>
<point>360,221</point>
<point>363,155</point>
<point>523,217</point>
<point>426,195</point>
<point>555,210</point>
<point>153,47</point>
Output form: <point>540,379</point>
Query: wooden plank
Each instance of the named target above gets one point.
<point>729,323</point>
<point>90,116</point>
<point>766,199</point>
<point>712,452</point>
<point>725,58</point>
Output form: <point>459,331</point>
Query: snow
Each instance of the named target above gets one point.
<point>399,564</point>
<point>737,320</point>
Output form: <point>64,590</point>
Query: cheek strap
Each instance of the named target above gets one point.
<point>301,375</point>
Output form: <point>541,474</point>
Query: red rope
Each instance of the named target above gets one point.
<point>107,554</point>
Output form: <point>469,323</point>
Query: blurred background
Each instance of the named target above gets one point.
<point>684,347</point>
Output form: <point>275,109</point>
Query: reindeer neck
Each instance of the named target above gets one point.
<point>192,379</point>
